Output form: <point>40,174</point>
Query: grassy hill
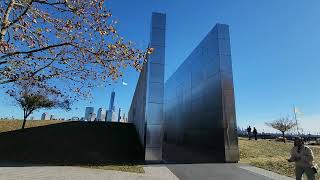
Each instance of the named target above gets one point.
<point>270,155</point>
<point>69,143</point>
<point>12,125</point>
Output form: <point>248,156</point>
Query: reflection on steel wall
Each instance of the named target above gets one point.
<point>136,113</point>
<point>146,110</point>
<point>200,120</point>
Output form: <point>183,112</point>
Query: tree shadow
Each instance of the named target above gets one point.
<point>72,143</point>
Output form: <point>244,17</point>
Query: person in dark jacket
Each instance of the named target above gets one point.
<point>249,132</point>
<point>255,133</point>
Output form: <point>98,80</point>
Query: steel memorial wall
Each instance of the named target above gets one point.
<point>146,110</point>
<point>200,119</point>
<point>190,118</point>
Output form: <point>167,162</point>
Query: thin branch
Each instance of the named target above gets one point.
<point>30,112</point>
<point>48,3</point>
<point>39,42</point>
<point>9,38</point>
<point>5,22</point>
<point>7,81</point>
<point>22,14</point>
<point>35,50</point>
<point>70,9</point>
<point>35,72</point>
<point>3,62</point>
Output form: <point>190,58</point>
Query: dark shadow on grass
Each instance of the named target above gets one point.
<point>72,143</point>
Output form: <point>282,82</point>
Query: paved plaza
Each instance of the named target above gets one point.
<point>152,172</point>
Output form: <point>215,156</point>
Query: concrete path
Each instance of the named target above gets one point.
<point>266,173</point>
<point>78,173</point>
<point>222,172</point>
<point>152,172</point>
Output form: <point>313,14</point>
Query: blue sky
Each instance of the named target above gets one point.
<point>275,51</point>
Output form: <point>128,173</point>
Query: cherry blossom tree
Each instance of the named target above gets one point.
<point>66,45</point>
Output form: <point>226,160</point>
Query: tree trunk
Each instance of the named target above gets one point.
<point>284,140</point>
<point>26,114</point>
<point>24,118</point>
<point>24,122</point>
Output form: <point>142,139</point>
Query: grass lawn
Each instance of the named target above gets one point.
<point>124,167</point>
<point>98,145</point>
<point>270,155</point>
<point>11,125</point>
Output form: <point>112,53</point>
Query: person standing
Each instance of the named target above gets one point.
<point>255,133</point>
<point>303,157</point>
<point>249,132</point>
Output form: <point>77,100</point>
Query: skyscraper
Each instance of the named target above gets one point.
<point>107,115</point>
<point>111,115</point>
<point>123,118</point>
<point>119,115</point>
<point>45,116</point>
<point>89,113</point>
<point>101,116</point>
<point>93,117</point>
<point>111,105</point>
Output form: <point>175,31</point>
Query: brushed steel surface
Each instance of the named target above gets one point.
<point>200,120</point>
<point>190,118</point>
<point>146,110</point>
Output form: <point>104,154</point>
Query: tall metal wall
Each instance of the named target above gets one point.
<point>192,117</point>
<point>146,110</point>
<point>200,120</point>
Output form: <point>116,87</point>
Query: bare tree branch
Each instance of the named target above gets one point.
<point>5,20</point>
<point>22,14</point>
<point>35,50</point>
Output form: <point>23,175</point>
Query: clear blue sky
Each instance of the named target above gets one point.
<point>275,51</point>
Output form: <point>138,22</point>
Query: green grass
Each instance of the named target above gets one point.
<point>270,155</point>
<point>99,145</point>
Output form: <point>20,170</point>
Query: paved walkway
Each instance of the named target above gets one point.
<point>266,173</point>
<point>222,172</point>
<point>152,172</point>
<point>78,173</point>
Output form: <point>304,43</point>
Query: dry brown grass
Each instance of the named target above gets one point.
<point>125,168</point>
<point>270,155</point>
<point>11,125</point>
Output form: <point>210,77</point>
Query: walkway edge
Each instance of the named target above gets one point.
<point>264,172</point>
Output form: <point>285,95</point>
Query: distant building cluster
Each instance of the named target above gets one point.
<point>47,116</point>
<point>109,115</point>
